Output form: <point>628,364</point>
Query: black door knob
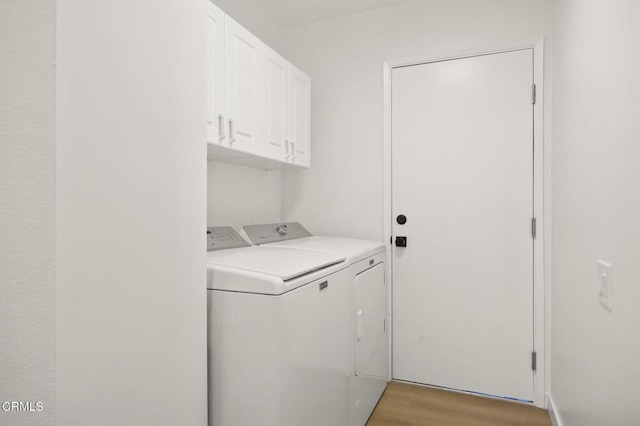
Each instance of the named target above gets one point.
<point>401,241</point>
<point>401,219</point>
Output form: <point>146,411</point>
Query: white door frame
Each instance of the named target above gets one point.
<point>542,208</point>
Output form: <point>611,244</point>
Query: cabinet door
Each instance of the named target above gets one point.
<point>215,75</point>
<point>300,126</point>
<point>243,86</point>
<point>276,106</point>
<point>371,307</point>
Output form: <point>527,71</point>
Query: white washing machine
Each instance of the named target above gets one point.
<point>369,363</point>
<point>278,334</point>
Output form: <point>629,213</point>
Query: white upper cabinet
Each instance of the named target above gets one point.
<point>216,123</point>
<point>286,111</point>
<point>242,87</point>
<point>276,106</point>
<point>258,104</point>
<point>300,127</point>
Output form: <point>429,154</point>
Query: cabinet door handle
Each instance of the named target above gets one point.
<point>232,130</point>
<point>286,149</point>
<point>221,135</point>
<point>293,150</point>
<point>360,326</point>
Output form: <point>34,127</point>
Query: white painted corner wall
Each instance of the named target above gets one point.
<point>596,206</point>
<point>343,192</point>
<point>131,202</point>
<point>240,195</point>
<point>27,210</point>
<point>554,415</point>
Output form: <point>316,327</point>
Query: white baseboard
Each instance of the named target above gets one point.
<point>554,414</point>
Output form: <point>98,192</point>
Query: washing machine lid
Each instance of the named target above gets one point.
<point>352,249</point>
<point>294,235</point>
<point>268,270</point>
<point>283,263</point>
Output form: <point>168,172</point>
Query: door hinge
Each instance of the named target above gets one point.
<point>533,227</point>
<point>533,94</point>
<point>534,360</point>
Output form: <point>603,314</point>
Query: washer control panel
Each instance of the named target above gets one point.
<point>274,232</point>
<point>224,237</point>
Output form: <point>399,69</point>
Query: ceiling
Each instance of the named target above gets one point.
<point>289,13</point>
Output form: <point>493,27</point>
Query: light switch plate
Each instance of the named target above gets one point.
<point>605,283</point>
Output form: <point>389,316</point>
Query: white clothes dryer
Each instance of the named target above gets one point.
<point>278,339</point>
<point>368,298</point>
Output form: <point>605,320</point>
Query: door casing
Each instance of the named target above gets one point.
<point>542,208</point>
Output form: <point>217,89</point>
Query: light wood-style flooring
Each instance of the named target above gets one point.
<point>411,405</point>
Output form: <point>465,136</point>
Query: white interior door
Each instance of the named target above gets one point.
<point>462,174</point>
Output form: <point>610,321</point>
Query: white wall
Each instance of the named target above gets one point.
<point>343,191</point>
<point>255,20</point>
<point>27,209</point>
<point>131,203</point>
<point>239,195</point>
<point>596,200</point>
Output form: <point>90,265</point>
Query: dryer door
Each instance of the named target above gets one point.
<point>370,320</point>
